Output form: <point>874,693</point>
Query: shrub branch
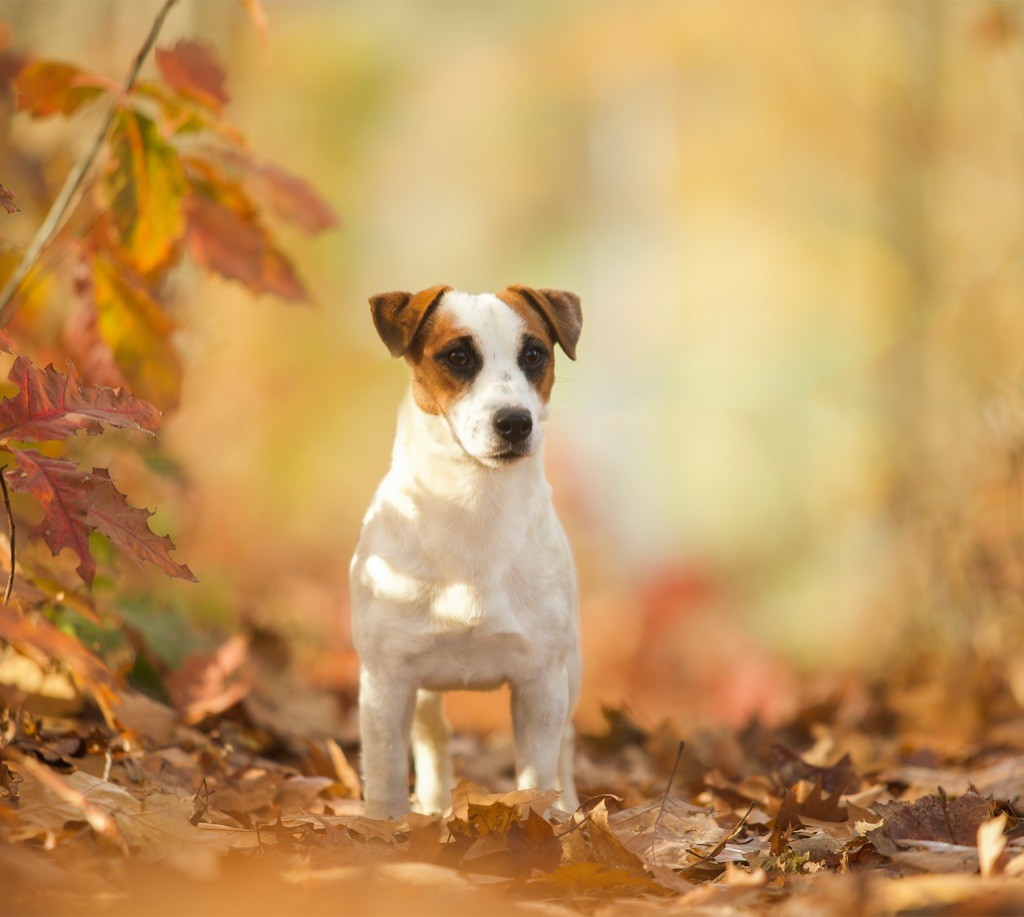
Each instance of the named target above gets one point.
<point>9,304</point>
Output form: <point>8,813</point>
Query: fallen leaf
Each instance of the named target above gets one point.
<point>607,846</point>
<point>933,818</point>
<point>101,822</point>
<point>991,843</point>
<point>206,683</point>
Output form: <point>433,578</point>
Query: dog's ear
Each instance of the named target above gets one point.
<point>398,316</point>
<point>560,309</point>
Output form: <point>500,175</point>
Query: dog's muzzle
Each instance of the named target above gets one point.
<point>513,425</point>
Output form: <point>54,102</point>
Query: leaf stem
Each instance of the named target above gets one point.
<point>8,303</point>
<point>10,523</point>
<point>664,798</point>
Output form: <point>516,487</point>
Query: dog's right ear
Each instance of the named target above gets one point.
<point>398,316</point>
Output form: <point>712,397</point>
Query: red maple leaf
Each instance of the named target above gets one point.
<point>76,503</point>
<point>190,68</point>
<point>52,405</point>
<point>237,247</point>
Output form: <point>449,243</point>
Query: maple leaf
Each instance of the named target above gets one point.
<point>145,183</point>
<point>190,68</point>
<point>234,245</point>
<point>51,405</point>
<point>76,503</point>
<point>7,200</point>
<point>48,88</point>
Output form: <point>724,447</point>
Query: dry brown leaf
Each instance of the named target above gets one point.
<point>607,846</point>
<point>991,843</point>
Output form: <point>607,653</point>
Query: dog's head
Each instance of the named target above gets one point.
<point>483,363</point>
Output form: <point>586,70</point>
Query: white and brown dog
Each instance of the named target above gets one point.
<point>463,576</point>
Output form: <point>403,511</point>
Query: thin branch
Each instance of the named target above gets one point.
<point>76,177</point>
<point>10,524</point>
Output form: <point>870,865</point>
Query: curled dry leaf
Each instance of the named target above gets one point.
<point>991,843</point>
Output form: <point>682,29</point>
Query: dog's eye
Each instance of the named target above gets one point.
<point>458,358</point>
<point>533,357</point>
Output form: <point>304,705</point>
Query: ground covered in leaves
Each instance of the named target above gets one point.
<point>902,798</point>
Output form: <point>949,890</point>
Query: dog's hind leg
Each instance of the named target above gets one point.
<point>431,753</point>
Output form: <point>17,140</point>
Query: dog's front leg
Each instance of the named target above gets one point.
<point>540,708</point>
<point>385,718</point>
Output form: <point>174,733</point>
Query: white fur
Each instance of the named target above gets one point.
<point>463,578</point>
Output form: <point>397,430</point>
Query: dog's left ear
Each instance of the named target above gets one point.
<point>560,309</point>
<point>398,316</point>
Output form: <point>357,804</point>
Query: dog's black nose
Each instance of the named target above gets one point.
<point>513,425</point>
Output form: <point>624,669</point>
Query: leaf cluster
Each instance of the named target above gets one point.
<point>174,178</point>
<point>167,178</point>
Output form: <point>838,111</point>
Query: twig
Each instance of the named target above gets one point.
<point>664,798</point>
<point>10,528</point>
<point>8,304</point>
<point>720,846</point>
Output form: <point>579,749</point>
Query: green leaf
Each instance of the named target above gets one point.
<point>145,184</point>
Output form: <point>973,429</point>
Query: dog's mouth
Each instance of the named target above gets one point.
<point>509,455</point>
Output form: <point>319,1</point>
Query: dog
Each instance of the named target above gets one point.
<point>463,576</point>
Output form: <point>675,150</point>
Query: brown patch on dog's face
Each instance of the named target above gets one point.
<point>434,357</point>
<point>537,335</point>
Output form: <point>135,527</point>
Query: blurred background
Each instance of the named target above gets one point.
<point>791,448</point>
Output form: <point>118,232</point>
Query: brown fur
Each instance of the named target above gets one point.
<point>398,316</point>
<point>434,388</point>
<point>559,308</point>
<point>536,327</point>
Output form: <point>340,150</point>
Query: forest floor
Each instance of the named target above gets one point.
<point>905,797</point>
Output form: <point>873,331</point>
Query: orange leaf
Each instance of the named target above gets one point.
<point>53,88</point>
<point>191,70</point>
<point>38,633</point>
